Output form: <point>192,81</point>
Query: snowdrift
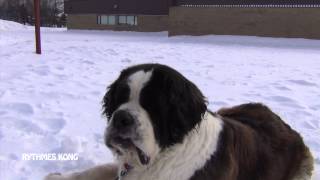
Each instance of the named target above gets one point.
<point>10,25</point>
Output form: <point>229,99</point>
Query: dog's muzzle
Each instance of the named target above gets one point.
<point>121,135</point>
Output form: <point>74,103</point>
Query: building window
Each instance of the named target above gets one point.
<point>131,20</point>
<point>112,20</point>
<point>107,20</point>
<point>120,20</point>
<point>104,19</point>
<point>127,20</point>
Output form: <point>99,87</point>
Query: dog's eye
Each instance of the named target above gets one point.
<point>122,94</point>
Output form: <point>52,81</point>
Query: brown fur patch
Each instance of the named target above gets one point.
<point>256,144</point>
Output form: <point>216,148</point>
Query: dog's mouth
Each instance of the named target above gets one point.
<point>143,157</point>
<point>123,144</point>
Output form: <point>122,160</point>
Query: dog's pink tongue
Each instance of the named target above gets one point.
<point>144,159</point>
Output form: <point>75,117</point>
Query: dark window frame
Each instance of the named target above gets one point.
<point>117,22</point>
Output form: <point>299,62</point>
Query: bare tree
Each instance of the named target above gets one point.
<point>12,9</point>
<point>52,12</point>
<point>23,14</point>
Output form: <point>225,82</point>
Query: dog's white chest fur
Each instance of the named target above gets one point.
<point>181,161</point>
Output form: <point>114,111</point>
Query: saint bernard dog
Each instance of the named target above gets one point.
<point>159,128</point>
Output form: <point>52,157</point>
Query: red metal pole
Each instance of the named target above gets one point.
<point>37,25</point>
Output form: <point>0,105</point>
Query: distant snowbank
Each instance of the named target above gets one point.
<point>14,26</point>
<point>10,25</point>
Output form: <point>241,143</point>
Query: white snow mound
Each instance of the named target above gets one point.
<point>10,25</point>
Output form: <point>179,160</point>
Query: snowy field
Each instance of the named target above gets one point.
<point>52,103</point>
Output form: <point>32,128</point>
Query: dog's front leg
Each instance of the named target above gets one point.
<point>104,172</point>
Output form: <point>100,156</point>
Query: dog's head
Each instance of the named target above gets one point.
<point>150,107</point>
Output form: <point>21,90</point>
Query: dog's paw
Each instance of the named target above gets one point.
<point>54,176</point>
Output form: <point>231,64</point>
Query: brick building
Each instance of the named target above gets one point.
<point>276,18</point>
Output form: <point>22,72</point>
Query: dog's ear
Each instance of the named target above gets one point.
<point>107,107</point>
<point>181,105</point>
<point>187,104</point>
<point>108,102</point>
<point>117,93</point>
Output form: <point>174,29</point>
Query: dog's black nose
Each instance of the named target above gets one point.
<point>120,131</point>
<point>122,120</point>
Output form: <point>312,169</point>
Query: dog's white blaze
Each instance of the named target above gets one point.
<point>148,144</point>
<point>136,82</point>
<point>180,161</point>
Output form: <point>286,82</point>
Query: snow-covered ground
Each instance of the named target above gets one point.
<point>52,103</point>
